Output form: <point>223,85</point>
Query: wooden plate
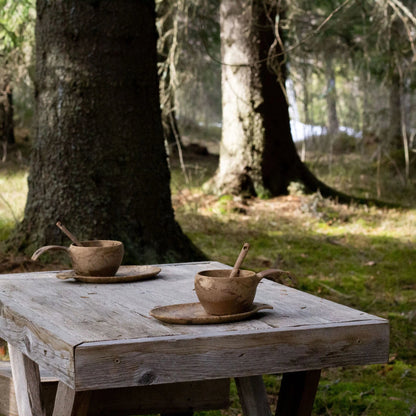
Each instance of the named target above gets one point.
<point>124,274</point>
<point>194,314</point>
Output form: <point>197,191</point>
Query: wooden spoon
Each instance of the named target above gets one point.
<point>68,233</point>
<point>242,255</point>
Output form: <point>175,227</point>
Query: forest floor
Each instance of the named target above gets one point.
<point>360,256</point>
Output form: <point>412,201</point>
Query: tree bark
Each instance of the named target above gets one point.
<point>257,152</point>
<point>6,114</point>
<point>331,98</point>
<point>99,163</point>
<point>395,138</point>
<point>10,114</point>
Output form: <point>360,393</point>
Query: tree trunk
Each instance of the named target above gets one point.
<point>10,114</point>
<point>395,138</point>
<point>331,99</point>
<point>257,152</point>
<point>167,52</point>
<point>99,163</point>
<point>6,115</point>
<point>305,102</point>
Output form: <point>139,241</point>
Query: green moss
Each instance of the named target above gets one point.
<point>363,259</point>
<point>373,390</point>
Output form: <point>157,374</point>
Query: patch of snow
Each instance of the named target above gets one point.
<point>301,131</point>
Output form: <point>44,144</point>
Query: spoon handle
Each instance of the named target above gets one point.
<point>68,233</point>
<point>242,255</point>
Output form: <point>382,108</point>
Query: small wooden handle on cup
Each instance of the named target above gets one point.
<point>242,255</point>
<point>41,250</point>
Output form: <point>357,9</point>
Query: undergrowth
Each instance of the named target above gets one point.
<point>360,256</point>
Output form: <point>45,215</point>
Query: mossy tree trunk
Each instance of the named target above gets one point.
<point>99,163</point>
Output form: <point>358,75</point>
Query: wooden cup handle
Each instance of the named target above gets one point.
<point>41,250</point>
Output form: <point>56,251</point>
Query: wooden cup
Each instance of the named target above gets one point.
<point>93,258</point>
<point>220,293</point>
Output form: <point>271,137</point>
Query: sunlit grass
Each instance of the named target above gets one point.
<point>13,192</point>
<point>360,256</point>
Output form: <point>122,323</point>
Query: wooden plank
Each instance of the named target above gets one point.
<point>175,359</point>
<point>41,345</point>
<point>163,398</point>
<point>293,307</point>
<point>178,397</point>
<point>96,316</point>
<point>297,393</point>
<point>31,317</point>
<point>26,383</point>
<point>253,396</point>
<point>93,312</point>
<point>68,402</point>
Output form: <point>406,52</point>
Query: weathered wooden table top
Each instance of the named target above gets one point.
<point>94,336</point>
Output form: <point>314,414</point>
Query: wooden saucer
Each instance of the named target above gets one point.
<point>124,274</point>
<point>194,314</point>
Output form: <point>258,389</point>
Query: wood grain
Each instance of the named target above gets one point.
<point>297,393</point>
<point>27,385</point>
<point>253,397</point>
<point>157,361</point>
<point>99,336</point>
<point>180,397</point>
<point>68,402</point>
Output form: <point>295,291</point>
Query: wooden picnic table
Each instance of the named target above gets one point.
<point>100,337</point>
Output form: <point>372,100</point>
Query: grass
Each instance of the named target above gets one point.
<point>360,256</point>
<point>13,191</point>
<point>13,184</point>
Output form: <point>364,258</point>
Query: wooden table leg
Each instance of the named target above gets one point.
<point>69,402</point>
<point>297,393</point>
<point>253,397</point>
<point>27,385</point>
